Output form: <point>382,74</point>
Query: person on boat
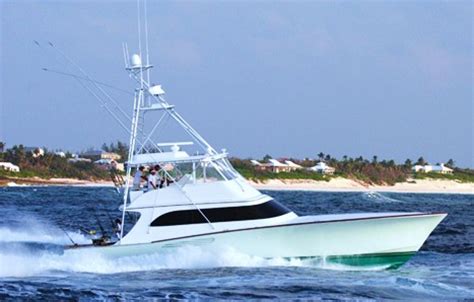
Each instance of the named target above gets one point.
<point>152,180</point>
<point>137,179</point>
<point>160,178</point>
<point>164,179</point>
<point>118,228</point>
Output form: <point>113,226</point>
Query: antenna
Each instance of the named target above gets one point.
<point>146,42</point>
<point>140,43</point>
<point>125,56</point>
<point>126,51</point>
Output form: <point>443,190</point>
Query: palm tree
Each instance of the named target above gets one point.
<point>105,147</point>
<point>321,156</point>
<point>374,159</point>
<point>122,150</point>
<point>449,163</point>
<point>421,161</point>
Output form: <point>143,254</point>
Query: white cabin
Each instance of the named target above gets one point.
<point>322,168</point>
<point>9,167</point>
<point>440,168</point>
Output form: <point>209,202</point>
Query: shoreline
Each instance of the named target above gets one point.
<point>427,186</point>
<point>36,181</point>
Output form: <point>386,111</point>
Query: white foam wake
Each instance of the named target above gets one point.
<point>379,197</point>
<point>37,232</point>
<point>27,252</point>
<point>22,256</point>
<point>23,263</point>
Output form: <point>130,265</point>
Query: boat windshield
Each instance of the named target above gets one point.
<point>201,171</point>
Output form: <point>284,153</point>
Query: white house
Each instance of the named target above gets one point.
<point>9,167</point>
<point>292,165</point>
<point>441,168</point>
<point>78,159</point>
<point>273,165</point>
<point>100,154</point>
<point>255,162</point>
<point>322,168</point>
<point>278,167</point>
<point>60,154</point>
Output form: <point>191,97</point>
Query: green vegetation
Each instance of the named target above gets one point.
<point>385,172</point>
<point>48,165</point>
<point>371,171</point>
<point>248,171</point>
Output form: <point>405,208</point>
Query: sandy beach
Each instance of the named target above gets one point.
<point>349,185</point>
<point>36,181</point>
<point>334,185</point>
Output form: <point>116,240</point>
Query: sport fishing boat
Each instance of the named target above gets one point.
<point>205,202</point>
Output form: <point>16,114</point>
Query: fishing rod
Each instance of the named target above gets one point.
<point>85,79</point>
<point>111,220</point>
<point>68,59</point>
<point>91,232</point>
<point>96,94</point>
<point>104,103</point>
<point>67,235</point>
<point>102,230</point>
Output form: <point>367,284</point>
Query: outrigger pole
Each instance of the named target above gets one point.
<point>86,79</point>
<point>70,239</point>
<point>103,103</point>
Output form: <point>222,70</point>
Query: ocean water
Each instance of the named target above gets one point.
<point>34,222</point>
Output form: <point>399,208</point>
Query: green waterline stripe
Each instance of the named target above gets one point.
<point>391,260</point>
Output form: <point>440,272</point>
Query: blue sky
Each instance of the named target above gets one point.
<point>392,79</point>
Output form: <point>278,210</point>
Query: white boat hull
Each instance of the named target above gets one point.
<point>371,240</point>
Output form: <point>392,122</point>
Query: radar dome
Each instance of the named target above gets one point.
<point>136,61</point>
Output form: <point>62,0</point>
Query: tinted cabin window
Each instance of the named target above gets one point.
<point>265,210</point>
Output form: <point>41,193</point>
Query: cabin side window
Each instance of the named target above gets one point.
<point>268,209</point>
